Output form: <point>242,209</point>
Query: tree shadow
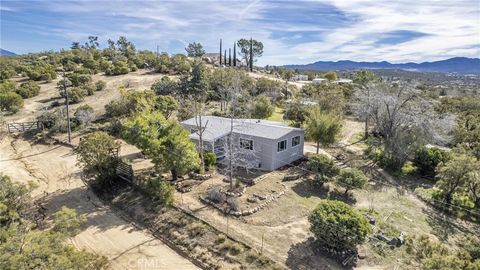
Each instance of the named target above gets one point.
<point>85,202</point>
<point>347,198</point>
<point>443,224</point>
<point>307,190</point>
<point>306,255</point>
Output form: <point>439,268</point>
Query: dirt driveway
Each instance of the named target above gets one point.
<point>52,168</point>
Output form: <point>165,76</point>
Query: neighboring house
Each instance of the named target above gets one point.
<point>300,77</point>
<point>305,102</point>
<point>319,81</point>
<point>343,81</point>
<point>271,144</point>
<point>211,58</point>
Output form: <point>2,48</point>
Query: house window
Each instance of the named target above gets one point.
<point>295,141</point>
<point>282,146</point>
<point>246,144</point>
<point>193,130</point>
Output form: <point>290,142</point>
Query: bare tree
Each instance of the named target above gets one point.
<point>199,109</point>
<point>236,155</point>
<point>402,117</point>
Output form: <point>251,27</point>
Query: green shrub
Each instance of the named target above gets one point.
<point>41,71</point>
<point>56,121</point>
<point>8,86</point>
<point>427,159</point>
<point>75,94</point>
<point>118,68</point>
<point>210,159</point>
<point>262,107</point>
<point>84,114</point>
<point>100,85</point>
<point>90,89</point>
<point>408,168</point>
<point>337,225</point>
<point>28,89</point>
<point>160,190</point>
<point>323,167</point>
<point>352,178</point>
<point>78,79</point>
<point>6,73</point>
<point>10,102</point>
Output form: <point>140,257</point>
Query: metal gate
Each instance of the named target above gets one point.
<point>23,127</point>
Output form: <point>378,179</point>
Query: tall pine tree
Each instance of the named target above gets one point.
<point>234,54</point>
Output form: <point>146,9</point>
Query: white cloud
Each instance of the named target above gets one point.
<point>451,28</point>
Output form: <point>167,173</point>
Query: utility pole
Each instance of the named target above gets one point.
<point>66,103</point>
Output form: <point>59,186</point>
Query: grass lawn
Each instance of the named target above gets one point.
<point>277,115</point>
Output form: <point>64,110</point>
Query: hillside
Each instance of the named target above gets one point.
<point>456,64</point>
<point>6,53</point>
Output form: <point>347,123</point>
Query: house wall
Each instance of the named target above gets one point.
<point>290,154</point>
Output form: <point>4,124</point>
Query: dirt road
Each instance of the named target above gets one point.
<point>52,168</point>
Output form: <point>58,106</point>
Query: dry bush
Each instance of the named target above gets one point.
<point>233,204</point>
<point>215,194</point>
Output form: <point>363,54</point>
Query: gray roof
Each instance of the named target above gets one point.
<point>218,127</point>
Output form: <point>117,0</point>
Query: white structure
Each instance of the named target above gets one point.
<point>211,58</point>
<point>305,102</point>
<point>300,77</point>
<point>319,81</point>
<point>343,81</point>
<point>273,144</point>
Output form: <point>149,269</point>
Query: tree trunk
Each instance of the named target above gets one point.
<point>200,136</point>
<point>174,174</point>
<point>366,127</point>
<point>318,146</point>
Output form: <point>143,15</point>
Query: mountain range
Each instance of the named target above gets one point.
<point>6,53</point>
<point>462,65</point>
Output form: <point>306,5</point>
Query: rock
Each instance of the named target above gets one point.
<point>361,253</point>
<point>291,177</point>
<point>252,199</point>
<point>401,239</point>
<point>260,196</point>
<point>393,242</point>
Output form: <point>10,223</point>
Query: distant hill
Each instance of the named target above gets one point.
<point>457,64</point>
<point>6,53</point>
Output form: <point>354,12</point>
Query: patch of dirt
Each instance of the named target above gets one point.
<point>53,169</point>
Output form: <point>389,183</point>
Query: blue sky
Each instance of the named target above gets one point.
<point>293,32</point>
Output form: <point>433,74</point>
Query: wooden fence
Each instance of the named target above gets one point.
<point>125,171</point>
<point>24,127</point>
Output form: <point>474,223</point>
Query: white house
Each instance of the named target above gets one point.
<point>343,81</point>
<point>300,77</point>
<point>211,58</point>
<point>319,81</point>
<point>272,144</point>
